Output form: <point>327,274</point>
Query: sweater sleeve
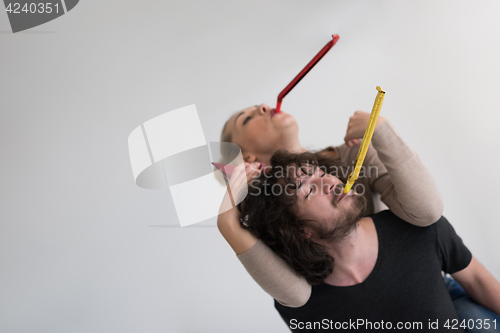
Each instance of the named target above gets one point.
<point>275,276</point>
<point>404,183</point>
<point>395,172</point>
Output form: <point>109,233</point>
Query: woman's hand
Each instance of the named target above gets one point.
<point>228,221</point>
<point>357,126</point>
<point>242,174</point>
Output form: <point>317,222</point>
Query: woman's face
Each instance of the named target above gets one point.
<point>260,132</point>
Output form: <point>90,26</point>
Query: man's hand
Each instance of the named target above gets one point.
<point>357,126</point>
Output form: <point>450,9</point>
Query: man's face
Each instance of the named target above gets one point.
<point>258,130</point>
<point>320,199</point>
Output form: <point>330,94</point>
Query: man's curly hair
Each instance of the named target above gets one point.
<point>272,218</point>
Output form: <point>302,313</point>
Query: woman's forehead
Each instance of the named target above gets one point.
<point>236,114</point>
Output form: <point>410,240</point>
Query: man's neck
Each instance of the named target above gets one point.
<point>355,256</point>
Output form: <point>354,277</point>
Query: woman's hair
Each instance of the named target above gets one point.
<point>269,214</point>
<point>226,137</point>
<point>228,151</point>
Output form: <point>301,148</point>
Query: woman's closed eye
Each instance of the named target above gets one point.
<point>246,120</point>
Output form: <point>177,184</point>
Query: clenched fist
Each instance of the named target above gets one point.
<point>357,126</point>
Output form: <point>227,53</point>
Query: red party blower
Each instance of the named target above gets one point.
<point>306,70</point>
<point>226,169</point>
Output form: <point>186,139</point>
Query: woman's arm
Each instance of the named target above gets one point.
<point>271,272</point>
<point>240,239</point>
<point>396,172</point>
<point>228,221</point>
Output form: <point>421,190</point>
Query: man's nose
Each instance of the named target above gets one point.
<point>324,185</point>
<point>331,184</point>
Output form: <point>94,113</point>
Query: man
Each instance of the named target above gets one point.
<point>370,273</point>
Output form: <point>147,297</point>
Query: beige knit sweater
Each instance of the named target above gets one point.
<point>394,171</point>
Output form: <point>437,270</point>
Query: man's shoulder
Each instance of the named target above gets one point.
<point>388,220</point>
<point>385,216</point>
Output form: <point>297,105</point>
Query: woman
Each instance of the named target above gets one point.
<point>259,132</point>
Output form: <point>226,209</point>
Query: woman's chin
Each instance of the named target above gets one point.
<point>284,120</point>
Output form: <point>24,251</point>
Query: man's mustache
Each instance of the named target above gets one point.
<point>337,192</point>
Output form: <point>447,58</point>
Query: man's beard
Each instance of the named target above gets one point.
<point>344,225</point>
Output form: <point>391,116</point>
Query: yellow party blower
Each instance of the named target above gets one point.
<point>366,140</point>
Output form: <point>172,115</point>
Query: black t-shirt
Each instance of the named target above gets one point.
<point>405,287</point>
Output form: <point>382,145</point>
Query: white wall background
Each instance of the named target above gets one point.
<point>78,252</point>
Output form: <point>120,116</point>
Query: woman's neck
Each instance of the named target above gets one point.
<point>292,145</point>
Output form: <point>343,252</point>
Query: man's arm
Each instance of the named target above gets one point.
<point>480,285</point>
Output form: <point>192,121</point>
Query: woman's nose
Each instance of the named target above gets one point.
<point>264,108</point>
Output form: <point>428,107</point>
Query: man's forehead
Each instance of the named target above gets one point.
<point>293,170</point>
<point>306,169</point>
<point>291,190</point>
<point>293,173</point>
<point>297,172</point>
